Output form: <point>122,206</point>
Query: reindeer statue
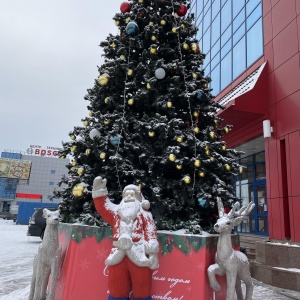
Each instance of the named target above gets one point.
<point>47,261</point>
<point>228,261</point>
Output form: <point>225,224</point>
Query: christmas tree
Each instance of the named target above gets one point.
<point>152,122</point>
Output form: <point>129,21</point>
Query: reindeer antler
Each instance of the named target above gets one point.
<point>245,210</point>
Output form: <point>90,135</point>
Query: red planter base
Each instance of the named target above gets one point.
<point>183,261</point>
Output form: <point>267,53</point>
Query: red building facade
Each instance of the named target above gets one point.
<point>274,95</point>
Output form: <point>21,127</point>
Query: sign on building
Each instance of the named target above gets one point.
<point>15,168</point>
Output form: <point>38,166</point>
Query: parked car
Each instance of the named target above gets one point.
<point>37,222</point>
<point>8,216</point>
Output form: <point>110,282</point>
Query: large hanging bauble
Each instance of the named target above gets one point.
<point>172,157</point>
<point>94,133</point>
<point>80,171</point>
<point>199,95</point>
<point>130,102</point>
<point>179,139</point>
<point>125,7</point>
<point>160,73</point>
<point>78,190</point>
<point>197,163</point>
<point>151,133</point>
<point>103,79</point>
<point>187,179</point>
<point>115,140</point>
<point>181,11</point>
<point>132,29</point>
<point>85,123</point>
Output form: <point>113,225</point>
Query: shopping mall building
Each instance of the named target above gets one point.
<point>29,176</point>
<point>252,57</point>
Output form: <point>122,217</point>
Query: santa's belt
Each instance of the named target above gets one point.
<point>115,241</point>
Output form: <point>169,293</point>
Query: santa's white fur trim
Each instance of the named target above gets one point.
<point>151,247</point>
<point>99,193</point>
<point>145,204</point>
<point>116,255</point>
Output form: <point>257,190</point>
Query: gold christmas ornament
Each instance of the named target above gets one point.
<point>216,121</point>
<point>174,29</point>
<point>78,190</point>
<point>207,152</point>
<point>102,155</point>
<point>140,186</point>
<point>196,114</point>
<point>153,50</point>
<point>227,167</point>
<point>122,56</point>
<point>205,85</point>
<point>187,179</point>
<point>172,157</point>
<point>117,22</point>
<point>130,72</point>
<point>113,45</point>
<point>140,1</point>
<point>169,104</point>
<point>195,75</point>
<point>88,151</point>
<point>72,169</point>
<point>73,149</point>
<point>62,157</point>
<point>85,123</point>
<point>212,159</point>
<point>223,147</point>
<point>197,163</point>
<point>226,129</point>
<point>90,113</point>
<point>103,79</point>
<point>201,173</point>
<point>80,171</point>
<point>151,133</point>
<point>179,167</point>
<point>195,47</point>
<point>153,38</point>
<point>163,22</point>
<point>241,170</point>
<point>127,20</point>
<point>185,46</point>
<point>212,134</point>
<point>179,139</point>
<point>196,130</point>
<point>182,26</point>
<point>73,163</point>
<point>151,23</point>
<point>148,86</point>
<point>73,137</point>
<point>106,122</point>
<point>106,100</point>
<point>130,102</point>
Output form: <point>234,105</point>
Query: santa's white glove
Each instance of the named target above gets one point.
<point>153,261</point>
<point>99,187</point>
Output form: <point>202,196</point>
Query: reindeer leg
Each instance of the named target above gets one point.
<point>231,280</point>
<point>238,289</point>
<point>246,278</point>
<point>33,280</point>
<point>54,274</point>
<point>212,271</point>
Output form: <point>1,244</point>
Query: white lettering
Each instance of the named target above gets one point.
<point>177,280</point>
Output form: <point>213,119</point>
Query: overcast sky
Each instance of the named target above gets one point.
<point>48,59</point>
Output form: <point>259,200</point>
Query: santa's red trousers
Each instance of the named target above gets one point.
<point>126,276</point>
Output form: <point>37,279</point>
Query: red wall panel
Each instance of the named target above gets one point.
<point>285,44</point>
<point>268,29</point>
<point>276,220</point>
<point>294,218</point>
<point>282,14</point>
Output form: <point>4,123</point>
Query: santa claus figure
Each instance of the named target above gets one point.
<point>135,246</point>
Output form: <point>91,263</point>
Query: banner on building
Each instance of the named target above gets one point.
<point>15,168</point>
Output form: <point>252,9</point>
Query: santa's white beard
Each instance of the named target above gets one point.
<point>129,210</point>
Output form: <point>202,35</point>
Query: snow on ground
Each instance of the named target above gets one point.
<point>16,256</point>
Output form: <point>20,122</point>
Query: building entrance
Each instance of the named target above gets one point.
<point>251,186</point>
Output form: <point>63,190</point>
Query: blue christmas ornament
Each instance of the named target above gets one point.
<point>115,140</point>
<point>132,29</point>
<point>202,202</point>
<point>199,95</point>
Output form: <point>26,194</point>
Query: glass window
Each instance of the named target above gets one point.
<point>206,41</point>
<point>238,34</point>
<point>226,48</point>
<point>226,66</point>
<point>254,43</point>
<point>260,157</point>
<point>207,20</point>
<point>260,171</point>
<point>215,8</point>
<point>215,49</point>
<point>215,29</point>
<point>225,36</point>
<point>215,60</point>
<point>52,171</point>
<point>215,76</point>
<point>237,6</point>
<point>251,4</point>
<point>51,183</point>
<point>239,54</point>
<point>225,15</point>
<point>255,15</point>
<point>238,20</point>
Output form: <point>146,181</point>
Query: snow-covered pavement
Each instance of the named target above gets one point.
<point>16,256</point>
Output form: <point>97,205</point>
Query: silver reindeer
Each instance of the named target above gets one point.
<point>228,261</point>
